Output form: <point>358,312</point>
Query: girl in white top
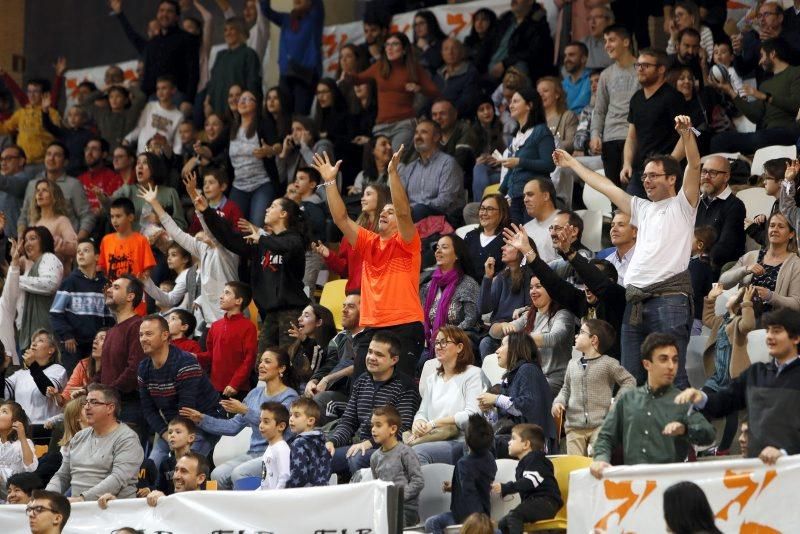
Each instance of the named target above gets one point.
<point>16,450</point>
<point>179,261</point>
<point>451,396</point>
<point>36,386</point>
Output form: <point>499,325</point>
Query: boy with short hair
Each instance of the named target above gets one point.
<point>231,343</point>
<point>310,463</point>
<point>215,186</point>
<point>181,327</point>
<point>535,480</point>
<point>589,385</point>
<point>125,251</point>
<point>701,271</point>
<point>160,117</point>
<point>181,433</point>
<point>277,457</point>
<point>395,461</point>
<point>472,478</point>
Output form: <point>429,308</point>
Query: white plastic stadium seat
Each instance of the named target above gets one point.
<point>756,201</point>
<point>722,300</point>
<point>594,200</point>
<point>694,361</point>
<point>229,447</point>
<point>494,373</point>
<point>767,153</point>
<point>462,231</point>
<point>726,155</point>
<point>757,346</point>
<point>432,500</point>
<point>506,468</point>
<point>592,229</point>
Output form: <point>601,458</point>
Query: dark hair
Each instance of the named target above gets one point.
<point>41,83</point>
<point>356,52</point>
<point>606,334</point>
<point>282,125</point>
<point>536,114</point>
<point>607,268</point>
<point>62,146</point>
<point>779,46</point>
<point>219,174</point>
<point>783,317</point>
<point>308,124</point>
<point>187,319</point>
<point>776,168</point>
<point>159,319</point>
<point>27,482</point>
<point>584,49</point>
<point>472,39</point>
<point>308,406</point>
<point>686,510</point>
<point>289,377</point>
<point>125,204</point>
<point>621,31</point>
<point>691,32</point>
<point>17,414</point>
<point>158,169</point>
<point>724,40</point>
<point>390,339</point>
<point>545,186</point>
<point>502,206</point>
<point>437,129</point>
<point>338,103</point>
<point>368,166</point>
<point>436,35</point>
<point>552,309</point>
<point>670,165</point>
<point>135,288</point>
<point>657,340</point>
<point>521,349</point>
<point>58,503</point>
<point>463,258</point>
<point>241,291</point>
<point>296,220</point>
<point>92,242</point>
<point>384,197</point>
<point>534,434</point>
<point>181,252</point>
<point>111,395</point>
<point>321,337</point>
<point>174,4</point>
<point>278,411</point>
<point>47,243</point>
<point>20,152</point>
<point>252,128</point>
<point>574,220</point>
<point>385,66</point>
<point>479,435</point>
<point>203,466</point>
<point>312,173</point>
<point>466,357</point>
<point>104,146</point>
<point>168,78</point>
<point>390,413</point>
<point>191,428</point>
<point>707,235</point>
<point>659,55</point>
<point>121,90</point>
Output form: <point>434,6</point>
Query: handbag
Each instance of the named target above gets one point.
<point>440,433</point>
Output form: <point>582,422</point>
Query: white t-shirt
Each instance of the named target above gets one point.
<point>275,466</point>
<point>22,388</point>
<point>540,233</point>
<point>155,119</point>
<point>664,241</point>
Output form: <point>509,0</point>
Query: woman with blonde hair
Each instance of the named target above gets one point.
<point>49,209</point>
<point>563,123</point>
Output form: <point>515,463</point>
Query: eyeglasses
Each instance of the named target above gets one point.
<point>392,44</point>
<point>324,92</point>
<point>712,173</point>
<point>486,209</point>
<point>766,14</point>
<point>442,343</point>
<point>10,158</point>
<point>652,175</point>
<point>586,332</point>
<point>245,99</point>
<point>556,228</point>
<point>643,66</point>
<point>95,402</point>
<point>36,510</point>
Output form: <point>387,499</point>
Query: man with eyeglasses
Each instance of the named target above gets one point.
<point>104,457</point>
<point>13,182</point>
<point>659,291</point>
<point>652,109</point>
<point>774,106</point>
<point>48,512</point>
<point>722,210</point>
<point>600,18</point>
<point>747,45</point>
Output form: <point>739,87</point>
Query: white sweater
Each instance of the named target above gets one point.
<point>11,462</point>
<point>457,397</point>
<point>51,271</point>
<point>157,120</point>
<point>21,387</point>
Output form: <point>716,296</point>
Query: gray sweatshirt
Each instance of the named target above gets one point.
<point>96,465</point>
<point>400,466</point>
<point>612,102</point>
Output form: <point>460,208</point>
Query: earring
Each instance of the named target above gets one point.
<point>280,375</point>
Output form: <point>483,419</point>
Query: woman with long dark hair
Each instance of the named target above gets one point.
<point>530,152</point>
<point>350,62</point>
<point>151,171</point>
<point>481,43</point>
<point>280,385</point>
<point>686,510</point>
<point>399,77</point>
<point>330,115</point>
<point>488,130</point>
<point>313,331</point>
<point>428,37</point>
<point>525,396</point>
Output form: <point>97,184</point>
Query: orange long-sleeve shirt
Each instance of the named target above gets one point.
<point>395,103</point>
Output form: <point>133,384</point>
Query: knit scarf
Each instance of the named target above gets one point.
<point>447,282</point>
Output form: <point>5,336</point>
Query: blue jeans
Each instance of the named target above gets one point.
<point>254,203</point>
<point>203,444</point>
<point>482,177</point>
<point>340,463</point>
<point>668,314</point>
<point>436,524</point>
<point>235,469</point>
<point>439,452</point>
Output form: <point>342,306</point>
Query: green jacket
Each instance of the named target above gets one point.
<point>636,421</point>
<point>781,112</point>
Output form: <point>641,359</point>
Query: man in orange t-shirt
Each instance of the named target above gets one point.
<point>125,251</point>
<point>390,270</point>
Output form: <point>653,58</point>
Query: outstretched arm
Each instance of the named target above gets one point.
<point>594,180</point>
<point>402,207</point>
<point>691,177</point>
<point>335,203</point>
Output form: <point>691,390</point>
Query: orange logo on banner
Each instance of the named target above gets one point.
<point>457,21</point>
<point>755,528</point>
<point>395,28</point>
<point>623,491</point>
<point>741,479</point>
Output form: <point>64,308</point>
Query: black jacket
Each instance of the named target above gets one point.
<point>534,478</point>
<point>472,484</point>
<point>727,218</point>
<point>531,43</point>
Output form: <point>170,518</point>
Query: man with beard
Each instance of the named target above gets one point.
<point>575,76</point>
<point>688,54</point>
<point>98,175</point>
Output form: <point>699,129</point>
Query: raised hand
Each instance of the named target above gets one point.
<point>716,291</point>
<point>562,158</point>
<point>46,102</point>
<point>323,165</point>
<point>517,237</point>
<point>488,267</point>
<point>320,248</point>
<point>60,66</point>
<point>148,193</point>
<point>190,183</point>
<point>395,161</point>
<point>792,170</point>
<point>683,123</point>
<point>192,414</point>
<point>749,292</point>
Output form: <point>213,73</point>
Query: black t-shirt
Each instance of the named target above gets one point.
<point>654,119</point>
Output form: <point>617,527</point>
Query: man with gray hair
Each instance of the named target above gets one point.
<point>104,457</point>
<point>458,80</point>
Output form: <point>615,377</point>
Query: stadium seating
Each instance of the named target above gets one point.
<point>462,231</point>
<point>596,201</point>
<point>491,190</point>
<point>767,153</point>
<point>229,447</point>
<point>592,229</point>
<point>494,373</point>
<point>432,500</point>
<point>756,201</point>
<point>332,298</point>
<point>563,465</point>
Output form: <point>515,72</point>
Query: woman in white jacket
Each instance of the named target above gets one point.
<point>42,274</point>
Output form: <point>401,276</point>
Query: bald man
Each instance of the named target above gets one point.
<point>722,210</point>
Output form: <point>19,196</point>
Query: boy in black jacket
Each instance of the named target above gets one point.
<point>535,483</point>
<point>472,478</point>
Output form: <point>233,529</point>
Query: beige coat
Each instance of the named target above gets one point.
<point>787,288</point>
<point>737,331</point>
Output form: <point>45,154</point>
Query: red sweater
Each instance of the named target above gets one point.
<point>232,343</point>
<point>346,262</point>
<point>187,345</point>
<point>228,210</point>
<point>103,177</point>
<point>121,356</point>
<point>394,102</point>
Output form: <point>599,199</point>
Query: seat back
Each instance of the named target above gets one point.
<point>491,190</point>
<point>506,472</point>
<point>432,500</point>
<point>592,237</point>
<point>494,373</point>
<point>756,201</point>
<point>229,447</point>
<point>462,231</point>
<point>767,153</point>
<point>757,346</point>
<point>694,361</point>
<point>595,200</point>
<point>332,298</point>
<point>247,484</point>
<point>563,466</point>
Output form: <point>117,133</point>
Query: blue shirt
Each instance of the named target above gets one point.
<point>578,93</point>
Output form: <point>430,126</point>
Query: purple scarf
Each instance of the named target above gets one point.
<point>447,282</point>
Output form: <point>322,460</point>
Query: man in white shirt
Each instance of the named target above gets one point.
<point>623,237</point>
<point>160,117</point>
<point>659,292</point>
<point>539,196</point>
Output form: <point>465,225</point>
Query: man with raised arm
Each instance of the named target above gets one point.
<point>659,290</point>
<point>391,265</point>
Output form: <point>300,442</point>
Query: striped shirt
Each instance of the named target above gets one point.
<point>399,391</point>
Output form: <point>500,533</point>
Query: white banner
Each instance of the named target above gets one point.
<point>746,496</point>
<point>352,508</point>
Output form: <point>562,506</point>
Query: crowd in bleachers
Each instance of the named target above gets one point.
<point>165,239</point>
